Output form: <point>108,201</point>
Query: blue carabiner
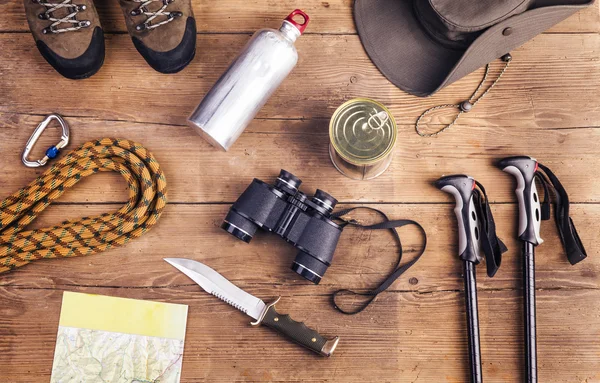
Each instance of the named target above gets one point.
<point>53,151</point>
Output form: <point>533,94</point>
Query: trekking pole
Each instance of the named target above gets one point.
<point>472,321</point>
<point>531,212</point>
<point>524,169</point>
<point>476,233</point>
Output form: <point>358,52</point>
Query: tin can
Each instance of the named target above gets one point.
<point>362,134</point>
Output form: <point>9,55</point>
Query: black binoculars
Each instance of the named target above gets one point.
<point>284,210</point>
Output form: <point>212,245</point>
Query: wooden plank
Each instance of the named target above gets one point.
<point>545,106</point>
<point>196,172</point>
<point>227,16</point>
<point>549,71</point>
<point>362,259</point>
<point>403,340</point>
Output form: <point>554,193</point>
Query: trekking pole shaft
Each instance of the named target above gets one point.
<point>529,312</point>
<point>472,321</point>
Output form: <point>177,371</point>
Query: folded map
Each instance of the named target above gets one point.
<point>118,340</point>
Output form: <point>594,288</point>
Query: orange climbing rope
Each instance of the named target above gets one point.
<point>89,235</point>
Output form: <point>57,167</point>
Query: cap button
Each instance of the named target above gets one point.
<point>466,106</point>
<point>507,31</point>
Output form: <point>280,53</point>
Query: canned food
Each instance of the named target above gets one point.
<point>362,135</point>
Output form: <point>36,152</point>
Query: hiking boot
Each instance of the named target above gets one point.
<point>163,31</point>
<point>68,35</point>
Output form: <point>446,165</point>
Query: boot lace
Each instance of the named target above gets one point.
<point>148,24</point>
<point>70,18</point>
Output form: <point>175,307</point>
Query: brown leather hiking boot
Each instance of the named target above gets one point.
<point>163,31</point>
<point>68,34</point>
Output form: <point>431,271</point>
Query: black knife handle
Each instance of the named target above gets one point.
<point>299,332</point>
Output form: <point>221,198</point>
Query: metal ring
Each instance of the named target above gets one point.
<point>285,182</point>
<point>306,268</point>
<point>323,202</point>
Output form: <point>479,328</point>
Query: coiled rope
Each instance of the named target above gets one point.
<point>147,189</point>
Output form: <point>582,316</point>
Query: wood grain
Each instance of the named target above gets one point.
<point>552,83</point>
<point>362,259</point>
<point>546,106</point>
<point>196,172</point>
<point>407,337</point>
<point>227,16</point>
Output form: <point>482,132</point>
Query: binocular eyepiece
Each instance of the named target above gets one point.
<point>283,209</point>
<point>287,182</point>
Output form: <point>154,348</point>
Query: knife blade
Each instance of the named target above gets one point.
<point>214,283</point>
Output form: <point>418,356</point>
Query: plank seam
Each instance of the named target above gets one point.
<point>300,119</point>
<point>218,203</point>
<point>398,291</point>
<point>249,33</point>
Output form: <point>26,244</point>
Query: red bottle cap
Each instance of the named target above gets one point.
<point>300,26</point>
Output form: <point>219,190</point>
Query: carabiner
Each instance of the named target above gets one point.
<point>52,151</point>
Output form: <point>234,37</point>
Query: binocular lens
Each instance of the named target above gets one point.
<point>309,267</point>
<point>288,182</point>
<point>324,200</point>
<point>239,226</point>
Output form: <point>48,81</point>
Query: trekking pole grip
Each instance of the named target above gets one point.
<point>461,187</point>
<point>523,168</point>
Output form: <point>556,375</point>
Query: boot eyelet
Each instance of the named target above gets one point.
<point>82,7</point>
<point>85,23</point>
<point>136,12</point>
<point>43,16</point>
<point>141,27</point>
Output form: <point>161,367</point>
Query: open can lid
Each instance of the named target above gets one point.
<point>362,131</point>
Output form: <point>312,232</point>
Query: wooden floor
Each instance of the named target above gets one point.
<point>546,106</point>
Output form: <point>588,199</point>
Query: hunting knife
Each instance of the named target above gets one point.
<point>217,285</point>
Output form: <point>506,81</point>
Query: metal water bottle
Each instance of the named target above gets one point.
<point>247,84</point>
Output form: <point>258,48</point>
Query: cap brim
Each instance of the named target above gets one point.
<point>400,48</point>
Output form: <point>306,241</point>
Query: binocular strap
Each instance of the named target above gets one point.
<point>566,228</point>
<point>388,224</point>
<point>491,245</point>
